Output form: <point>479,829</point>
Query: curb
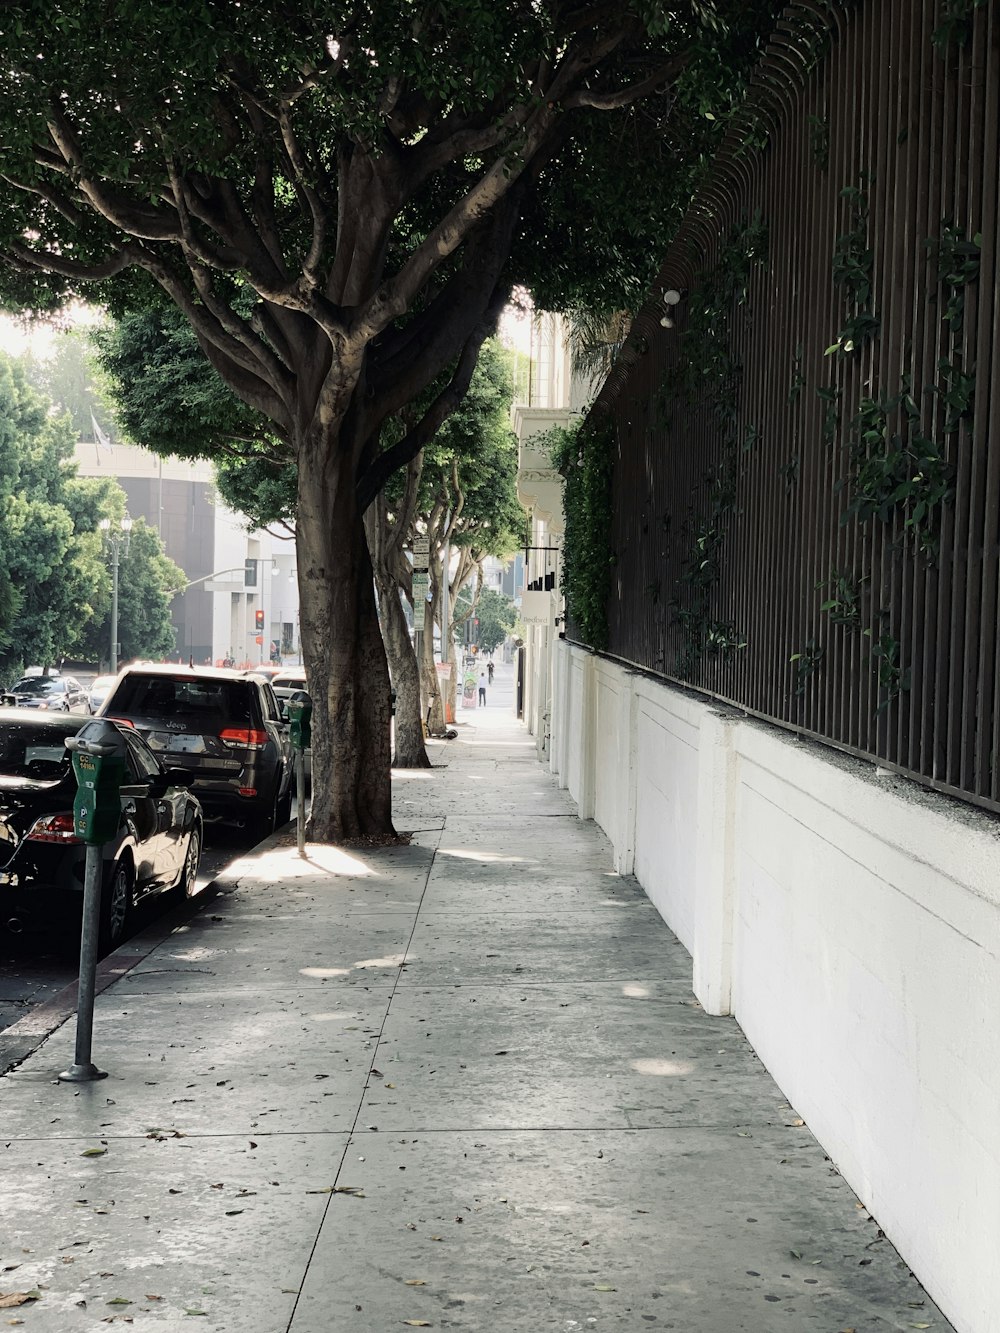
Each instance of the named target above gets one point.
<point>25,1036</point>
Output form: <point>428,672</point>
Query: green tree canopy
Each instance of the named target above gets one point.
<point>497,616</point>
<point>67,378</point>
<point>55,587</point>
<point>50,570</point>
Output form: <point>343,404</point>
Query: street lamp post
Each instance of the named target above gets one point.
<point>117,542</point>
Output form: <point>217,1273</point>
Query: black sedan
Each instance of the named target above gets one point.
<point>54,694</point>
<point>157,846</point>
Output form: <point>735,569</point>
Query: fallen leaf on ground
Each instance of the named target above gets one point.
<point>604,1286</point>
<point>119,1300</point>
<point>15,1298</point>
<point>418,1323</point>
<point>94,1152</point>
<point>414,1282</point>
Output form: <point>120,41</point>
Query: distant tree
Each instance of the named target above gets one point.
<point>51,576</point>
<point>67,378</point>
<point>55,586</point>
<point>461,495</point>
<point>497,616</point>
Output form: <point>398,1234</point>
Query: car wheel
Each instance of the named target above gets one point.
<point>117,902</point>
<point>278,816</point>
<point>192,859</point>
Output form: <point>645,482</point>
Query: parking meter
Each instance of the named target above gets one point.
<point>298,710</point>
<point>98,755</point>
<point>299,714</point>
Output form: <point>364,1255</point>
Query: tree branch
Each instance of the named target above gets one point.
<point>375,476</point>
<point>626,96</point>
<point>49,262</point>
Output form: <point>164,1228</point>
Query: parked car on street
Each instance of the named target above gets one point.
<point>287,684</point>
<point>99,691</point>
<point>157,846</point>
<point>290,685</point>
<point>222,725</point>
<point>55,694</point>
<point>268,670</point>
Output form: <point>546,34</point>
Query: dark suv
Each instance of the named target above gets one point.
<point>224,726</point>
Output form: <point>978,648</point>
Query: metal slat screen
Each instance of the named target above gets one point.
<point>807,463</point>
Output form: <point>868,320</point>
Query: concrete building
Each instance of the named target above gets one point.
<point>232,572</point>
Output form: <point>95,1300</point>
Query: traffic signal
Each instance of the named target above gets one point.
<point>258,617</point>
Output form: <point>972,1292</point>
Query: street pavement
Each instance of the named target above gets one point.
<point>459,1084</point>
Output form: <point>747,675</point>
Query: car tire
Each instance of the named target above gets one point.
<point>284,811</point>
<point>188,885</point>
<point>117,904</point>
<point>280,814</point>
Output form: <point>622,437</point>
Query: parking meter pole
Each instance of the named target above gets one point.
<point>83,1070</point>
<point>299,713</point>
<point>98,752</point>
<point>300,800</point>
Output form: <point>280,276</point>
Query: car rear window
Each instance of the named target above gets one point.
<point>37,685</point>
<point>194,701</point>
<point>33,752</point>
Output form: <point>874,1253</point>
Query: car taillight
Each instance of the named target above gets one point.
<point>123,722</point>
<point>240,736</point>
<point>53,828</point>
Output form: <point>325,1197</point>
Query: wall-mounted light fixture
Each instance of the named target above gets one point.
<point>671,297</point>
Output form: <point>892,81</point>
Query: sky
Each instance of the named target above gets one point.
<point>20,334</point>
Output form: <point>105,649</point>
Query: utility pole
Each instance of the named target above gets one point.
<point>117,543</point>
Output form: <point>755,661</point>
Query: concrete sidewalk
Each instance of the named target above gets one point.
<point>458,1085</point>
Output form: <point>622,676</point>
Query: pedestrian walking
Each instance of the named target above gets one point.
<point>489,671</point>
<point>482,689</point>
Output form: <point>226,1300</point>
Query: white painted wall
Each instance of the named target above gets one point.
<point>851,922</point>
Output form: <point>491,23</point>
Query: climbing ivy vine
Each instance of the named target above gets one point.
<point>708,374</point>
<point>852,272</point>
<point>585,458</point>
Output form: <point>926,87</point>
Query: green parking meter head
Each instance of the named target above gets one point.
<point>98,753</point>
<point>299,713</point>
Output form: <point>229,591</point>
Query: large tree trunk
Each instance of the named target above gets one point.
<point>384,543</point>
<point>432,683</point>
<point>409,732</point>
<point>342,645</point>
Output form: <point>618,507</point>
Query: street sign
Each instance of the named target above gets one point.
<point>421,554</point>
<point>421,587</point>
